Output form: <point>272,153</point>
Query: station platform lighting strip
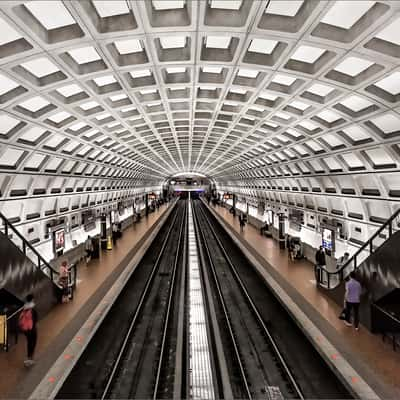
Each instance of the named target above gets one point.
<point>201,378</point>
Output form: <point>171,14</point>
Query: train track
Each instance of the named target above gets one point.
<point>259,368</point>
<point>144,344</point>
<point>142,360</point>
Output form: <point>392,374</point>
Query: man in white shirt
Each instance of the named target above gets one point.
<point>352,300</point>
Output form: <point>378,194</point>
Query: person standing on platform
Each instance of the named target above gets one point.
<point>352,300</point>
<point>88,249</point>
<point>241,221</point>
<point>27,324</point>
<point>290,247</point>
<point>114,233</point>
<point>320,262</point>
<point>63,281</point>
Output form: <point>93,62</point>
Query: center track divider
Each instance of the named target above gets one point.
<point>220,365</point>
<point>55,377</point>
<point>357,386</point>
<point>202,382</point>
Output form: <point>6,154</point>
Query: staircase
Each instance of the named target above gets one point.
<point>23,270</point>
<point>332,279</point>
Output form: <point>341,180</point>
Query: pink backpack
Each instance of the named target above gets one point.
<point>25,321</point>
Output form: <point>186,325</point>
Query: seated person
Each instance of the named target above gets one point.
<point>297,250</point>
<point>342,260</point>
<point>290,248</point>
<point>264,228</point>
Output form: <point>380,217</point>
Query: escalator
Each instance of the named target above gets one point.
<point>20,275</point>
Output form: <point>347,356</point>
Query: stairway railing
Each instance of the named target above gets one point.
<point>41,263</point>
<point>331,279</point>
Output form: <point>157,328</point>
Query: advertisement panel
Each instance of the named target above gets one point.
<point>328,239</point>
<point>59,240</point>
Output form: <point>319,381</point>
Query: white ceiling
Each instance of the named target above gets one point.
<point>236,90</point>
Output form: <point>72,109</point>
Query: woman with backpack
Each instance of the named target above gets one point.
<point>27,325</point>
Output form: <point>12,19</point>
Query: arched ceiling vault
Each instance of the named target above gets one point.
<point>264,94</point>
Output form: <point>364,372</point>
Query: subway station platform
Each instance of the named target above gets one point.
<point>59,326</point>
<point>373,359</point>
<point>372,362</point>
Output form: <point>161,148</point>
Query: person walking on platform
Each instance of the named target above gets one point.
<point>27,324</point>
<point>320,262</point>
<point>352,300</point>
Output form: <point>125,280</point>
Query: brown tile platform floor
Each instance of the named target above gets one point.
<point>364,350</point>
<point>63,321</point>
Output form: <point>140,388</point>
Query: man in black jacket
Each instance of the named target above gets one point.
<point>319,262</point>
<point>320,257</point>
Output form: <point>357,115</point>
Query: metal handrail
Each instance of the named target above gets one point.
<point>383,311</point>
<point>15,313</point>
<point>368,243</point>
<point>7,224</point>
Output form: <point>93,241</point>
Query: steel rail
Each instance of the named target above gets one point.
<point>224,307</point>
<point>180,377</point>
<point>138,310</point>
<point>259,318</point>
<point>172,288</point>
